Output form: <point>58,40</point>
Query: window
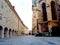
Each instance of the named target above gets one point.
<point>44,12</point>
<point>53,10</point>
<point>2,5</point>
<point>0,16</point>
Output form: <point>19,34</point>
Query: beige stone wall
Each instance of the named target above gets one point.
<point>22,29</point>
<point>26,31</point>
<point>34,20</point>
<point>49,14</point>
<point>48,9</point>
<point>9,18</point>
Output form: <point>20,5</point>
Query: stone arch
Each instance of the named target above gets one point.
<point>1,28</point>
<point>10,33</point>
<point>13,32</point>
<point>5,32</point>
<point>44,11</point>
<point>53,10</point>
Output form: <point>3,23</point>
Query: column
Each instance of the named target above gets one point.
<point>7,33</point>
<point>3,33</point>
<point>11,33</point>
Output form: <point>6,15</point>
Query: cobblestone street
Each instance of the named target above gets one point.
<point>30,40</point>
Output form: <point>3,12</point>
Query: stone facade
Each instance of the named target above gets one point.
<point>10,22</point>
<point>48,15</point>
<point>35,16</point>
<point>23,30</point>
<point>34,22</point>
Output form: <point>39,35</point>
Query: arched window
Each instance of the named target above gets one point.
<point>44,12</point>
<point>53,10</point>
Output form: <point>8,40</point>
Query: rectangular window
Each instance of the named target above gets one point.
<point>0,16</point>
<point>2,6</point>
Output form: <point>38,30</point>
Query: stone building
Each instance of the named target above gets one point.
<point>10,22</point>
<point>35,16</point>
<point>48,15</point>
<point>23,30</point>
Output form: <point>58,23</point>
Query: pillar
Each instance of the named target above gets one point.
<point>7,33</point>
<point>11,34</point>
<point>3,33</point>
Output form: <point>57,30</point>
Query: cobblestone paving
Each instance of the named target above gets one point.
<point>30,40</point>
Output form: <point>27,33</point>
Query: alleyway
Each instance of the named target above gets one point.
<point>30,40</point>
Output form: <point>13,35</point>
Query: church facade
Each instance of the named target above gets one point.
<point>48,15</point>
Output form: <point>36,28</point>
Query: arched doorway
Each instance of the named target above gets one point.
<point>44,12</point>
<point>15,33</point>
<point>10,33</point>
<point>1,28</point>
<point>5,32</point>
<point>53,10</point>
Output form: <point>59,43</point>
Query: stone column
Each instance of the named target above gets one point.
<point>14,33</point>
<point>11,34</point>
<point>7,33</point>
<point>3,33</point>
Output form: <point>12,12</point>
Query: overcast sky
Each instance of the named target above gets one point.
<point>24,9</point>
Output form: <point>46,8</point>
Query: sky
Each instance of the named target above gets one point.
<point>24,10</point>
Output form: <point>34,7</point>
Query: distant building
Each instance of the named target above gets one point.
<point>30,32</point>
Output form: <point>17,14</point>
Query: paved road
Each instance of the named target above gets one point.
<point>30,40</point>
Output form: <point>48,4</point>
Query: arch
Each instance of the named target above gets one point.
<point>53,11</point>
<point>9,29</point>
<point>6,28</point>
<point>9,32</point>
<point>13,32</point>
<point>44,11</point>
<point>5,31</point>
<point>1,28</point>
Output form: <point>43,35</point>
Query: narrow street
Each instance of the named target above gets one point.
<point>30,40</point>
